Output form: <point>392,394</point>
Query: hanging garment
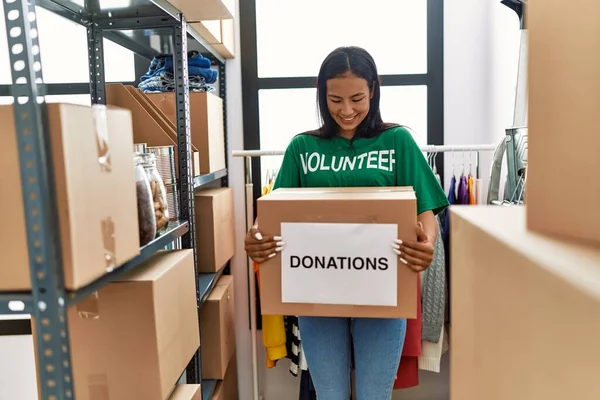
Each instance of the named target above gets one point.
<point>431,353</point>
<point>273,332</point>
<point>479,191</point>
<point>292,333</point>
<point>307,390</point>
<point>408,370</point>
<point>452,199</point>
<point>463,191</point>
<point>471,189</point>
<point>433,294</point>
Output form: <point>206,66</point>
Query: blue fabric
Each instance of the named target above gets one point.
<point>327,344</point>
<point>161,65</point>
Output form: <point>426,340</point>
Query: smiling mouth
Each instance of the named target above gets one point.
<point>349,119</point>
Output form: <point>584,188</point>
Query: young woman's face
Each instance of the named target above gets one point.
<point>348,100</point>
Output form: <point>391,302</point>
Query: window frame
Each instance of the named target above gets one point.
<point>251,83</point>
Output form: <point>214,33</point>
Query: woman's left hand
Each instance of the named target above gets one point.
<point>416,255</point>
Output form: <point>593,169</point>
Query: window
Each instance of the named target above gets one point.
<point>284,46</point>
<point>284,113</point>
<point>63,52</point>
<point>293,39</point>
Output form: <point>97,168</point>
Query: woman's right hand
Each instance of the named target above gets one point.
<point>261,248</point>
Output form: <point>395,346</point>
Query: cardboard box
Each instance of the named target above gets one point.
<point>210,10</point>
<point>217,321</point>
<point>219,34</point>
<point>186,392</point>
<point>96,201</point>
<point>517,298</point>
<point>228,388</point>
<point>207,125</point>
<point>136,338</point>
<point>150,124</point>
<point>328,230</point>
<point>215,234</point>
<point>564,100</point>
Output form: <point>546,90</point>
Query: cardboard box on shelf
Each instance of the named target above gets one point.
<point>148,318</point>
<point>517,296</point>
<point>186,392</point>
<point>150,124</point>
<point>215,232</point>
<point>228,388</point>
<point>230,382</point>
<point>219,34</point>
<point>210,10</point>
<point>564,119</point>
<point>95,188</point>
<point>338,258</point>
<point>207,125</point>
<point>217,321</point>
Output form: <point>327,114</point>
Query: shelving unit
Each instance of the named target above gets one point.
<point>147,28</point>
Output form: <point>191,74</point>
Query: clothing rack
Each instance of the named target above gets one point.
<point>248,156</point>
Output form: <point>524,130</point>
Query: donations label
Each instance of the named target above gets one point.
<point>339,263</point>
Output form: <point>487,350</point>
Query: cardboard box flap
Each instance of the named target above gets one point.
<point>555,255</point>
<point>145,128</point>
<point>220,288</point>
<point>186,392</point>
<point>334,194</point>
<point>154,268</point>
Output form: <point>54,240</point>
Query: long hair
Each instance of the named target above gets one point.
<point>340,62</point>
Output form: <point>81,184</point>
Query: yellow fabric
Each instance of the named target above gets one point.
<point>273,332</point>
<point>471,192</point>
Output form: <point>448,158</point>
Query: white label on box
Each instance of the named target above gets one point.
<point>338,263</point>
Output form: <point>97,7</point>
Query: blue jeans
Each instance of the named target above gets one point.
<point>377,350</point>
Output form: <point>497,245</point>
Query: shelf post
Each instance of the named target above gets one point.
<point>95,39</point>
<point>41,217</point>
<point>186,170</point>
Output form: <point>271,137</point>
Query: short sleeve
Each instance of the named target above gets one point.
<point>289,172</point>
<point>413,170</point>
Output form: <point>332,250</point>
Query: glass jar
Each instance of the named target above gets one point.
<point>146,218</point>
<point>159,193</point>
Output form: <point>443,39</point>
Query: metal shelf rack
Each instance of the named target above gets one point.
<point>148,28</point>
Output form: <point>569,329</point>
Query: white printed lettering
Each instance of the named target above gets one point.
<point>303,158</point>
<point>339,166</point>
<point>383,160</point>
<point>372,160</point>
<point>313,156</point>
<point>349,163</point>
<point>361,158</point>
<point>323,166</point>
<point>381,164</point>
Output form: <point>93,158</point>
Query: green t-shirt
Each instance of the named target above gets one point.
<point>389,159</point>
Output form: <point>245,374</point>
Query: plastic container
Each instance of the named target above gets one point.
<point>159,193</point>
<point>165,163</point>
<point>145,203</point>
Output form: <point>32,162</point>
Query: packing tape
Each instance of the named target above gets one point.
<point>107,227</point>
<point>98,387</point>
<point>88,308</point>
<point>102,142</point>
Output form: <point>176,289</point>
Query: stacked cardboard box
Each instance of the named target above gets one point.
<point>97,205</point>
<point>526,281</point>
<point>217,320</point>
<point>135,337</point>
<point>564,93</point>
<point>154,122</point>
<point>215,228</point>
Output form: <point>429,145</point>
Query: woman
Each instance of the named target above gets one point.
<point>348,94</point>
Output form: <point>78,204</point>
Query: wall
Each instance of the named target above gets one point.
<point>481,53</point>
